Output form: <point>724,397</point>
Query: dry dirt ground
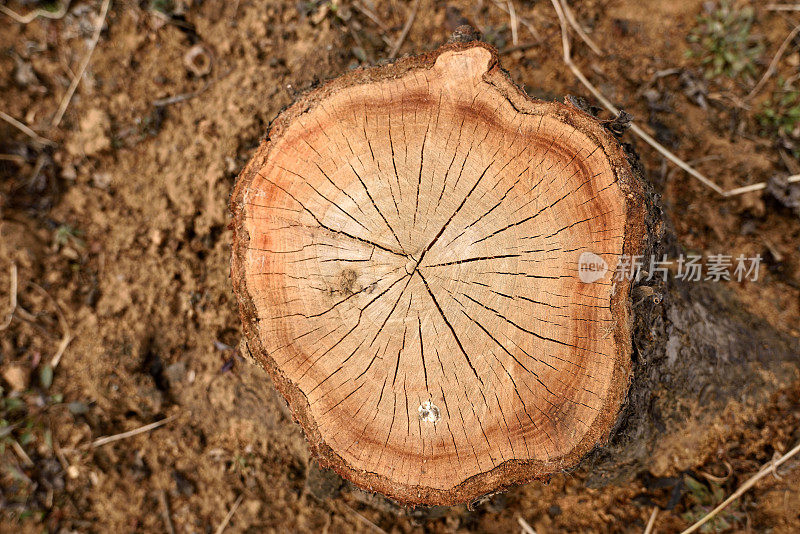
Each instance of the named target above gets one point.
<point>119,236</point>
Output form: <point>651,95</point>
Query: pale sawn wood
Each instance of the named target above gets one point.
<point>406,262</point>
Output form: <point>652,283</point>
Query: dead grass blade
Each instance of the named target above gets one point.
<point>66,333</point>
<point>647,138</point>
<point>526,528</point>
<point>404,33</point>
<point>25,129</point>
<point>222,526</point>
<point>363,519</point>
<point>12,297</point>
<point>782,7</point>
<point>773,65</point>
<point>757,187</point>
<point>766,469</point>
<point>506,8</point>
<point>135,432</point>
<point>579,29</point>
<point>85,63</point>
<point>36,13</point>
<point>651,523</point>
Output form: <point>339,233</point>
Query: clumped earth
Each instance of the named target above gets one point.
<point>118,236</point>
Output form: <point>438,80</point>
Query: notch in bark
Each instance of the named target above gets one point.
<point>407,257</point>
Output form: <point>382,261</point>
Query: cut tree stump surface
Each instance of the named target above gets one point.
<point>406,259</point>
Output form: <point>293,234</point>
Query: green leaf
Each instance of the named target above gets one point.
<point>26,437</point>
<point>77,408</point>
<point>46,376</point>
<point>717,492</point>
<point>13,403</point>
<point>699,491</point>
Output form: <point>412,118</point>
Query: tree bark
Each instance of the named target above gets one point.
<point>699,357</point>
<point>421,258</point>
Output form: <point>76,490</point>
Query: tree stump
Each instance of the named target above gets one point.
<point>423,258</point>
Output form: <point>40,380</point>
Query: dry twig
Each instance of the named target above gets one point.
<point>716,479</point>
<point>65,339</point>
<point>526,528</point>
<point>85,63</point>
<point>512,14</point>
<point>521,20</point>
<point>224,524</point>
<point>370,15</point>
<point>404,33</point>
<point>25,129</point>
<point>26,460</point>
<point>652,521</point>
<point>162,499</point>
<point>557,4</point>
<point>757,187</point>
<point>161,102</point>
<point>782,7</point>
<point>774,63</point>
<point>66,333</point>
<point>136,431</point>
<point>766,469</point>
<point>579,29</point>
<point>363,519</point>
<point>36,13</point>
<point>12,297</point>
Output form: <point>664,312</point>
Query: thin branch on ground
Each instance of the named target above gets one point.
<point>757,187</point>
<point>224,524</point>
<point>162,499</point>
<point>773,65</point>
<point>526,528</point>
<point>353,29</point>
<point>358,6</point>
<point>16,158</point>
<point>521,46</point>
<point>135,432</point>
<point>404,33</point>
<point>25,129</point>
<point>579,29</point>
<point>716,479</point>
<point>363,519</point>
<point>41,159</point>
<point>65,465</point>
<point>36,13</point>
<point>12,297</point>
<point>66,333</point>
<point>634,127</point>
<point>652,521</point>
<point>85,63</point>
<point>161,102</point>
<point>530,27</point>
<point>66,338</point>
<point>512,15</point>
<point>782,7</point>
<point>765,470</point>
<point>26,460</point>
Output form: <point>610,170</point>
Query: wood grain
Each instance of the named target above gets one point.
<point>406,262</point>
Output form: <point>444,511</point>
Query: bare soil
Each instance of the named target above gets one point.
<point>121,228</point>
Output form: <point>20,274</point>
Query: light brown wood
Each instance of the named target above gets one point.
<point>406,252</point>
